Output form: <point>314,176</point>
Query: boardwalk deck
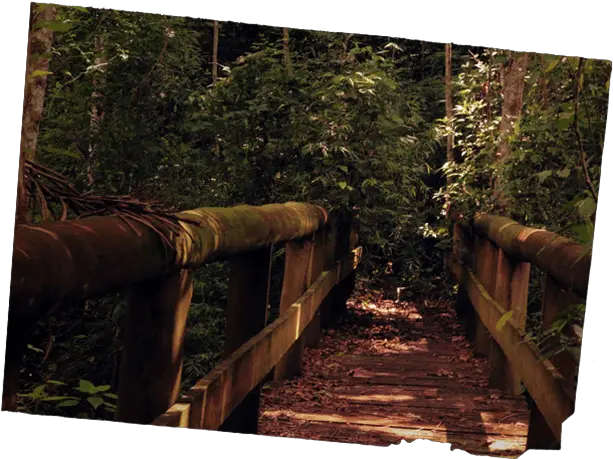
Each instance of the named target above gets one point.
<point>394,371</point>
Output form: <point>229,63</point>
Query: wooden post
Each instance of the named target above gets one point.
<point>555,301</point>
<point>18,332</point>
<point>154,329</point>
<point>316,266</point>
<point>341,291</point>
<point>540,435</point>
<point>485,255</point>
<point>297,258</point>
<point>329,264</point>
<point>246,315</point>
<point>511,292</point>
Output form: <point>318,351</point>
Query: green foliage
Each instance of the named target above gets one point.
<point>348,136</point>
<point>82,401</point>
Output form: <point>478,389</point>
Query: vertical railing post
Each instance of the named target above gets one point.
<point>246,316</point>
<point>154,328</point>
<point>555,301</point>
<point>484,267</point>
<point>316,266</point>
<point>329,263</point>
<point>510,292</point>
<point>297,258</point>
<point>345,241</point>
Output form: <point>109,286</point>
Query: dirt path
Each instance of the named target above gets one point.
<point>394,371</point>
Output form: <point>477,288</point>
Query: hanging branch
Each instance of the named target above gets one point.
<point>46,187</point>
<point>582,155</point>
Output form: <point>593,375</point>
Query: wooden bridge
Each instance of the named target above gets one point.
<point>452,374</point>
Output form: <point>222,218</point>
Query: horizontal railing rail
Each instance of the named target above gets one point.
<point>491,260</point>
<point>57,263</point>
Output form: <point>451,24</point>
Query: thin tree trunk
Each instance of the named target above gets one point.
<point>448,102</point>
<point>286,55</point>
<point>97,114</point>
<point>215,49</point>
<point>37,66</point>
<point>513,94</point>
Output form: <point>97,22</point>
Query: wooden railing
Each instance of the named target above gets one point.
<point>57,263</point>
<point>491,261</point>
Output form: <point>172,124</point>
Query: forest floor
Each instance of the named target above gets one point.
<point>394,370</point>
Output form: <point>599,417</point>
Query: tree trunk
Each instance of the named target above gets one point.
<point>448,102</point>
<point>513,94</point>
<point>37,67</point>
<point>215,49</point>
<point>97,113</point>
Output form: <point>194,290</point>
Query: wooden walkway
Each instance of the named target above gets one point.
<point>393,371</point>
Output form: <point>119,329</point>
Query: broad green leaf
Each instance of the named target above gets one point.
<point>110,395</point>
<point>103,388</point>
<point>56,26</point>
<point>342,185</point>
<point>86,387</point>
<point>503,320</point>
<point>586,208</point>
<point>56,398</point>
<point>564,173</point>
<point>39,73</point>
<point>95,401</point>
<point>563,123</point>
<point>584,232</point>
<point>67,403</point>
<point>552,65</point>
<point>344,169</point>
<point>57,383</point>
<point>39,392</point>
<point>542,176</point>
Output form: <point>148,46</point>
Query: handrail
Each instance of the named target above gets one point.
<point>494,280</point>
<point>565,260</point>
<point>56,263</point>
<point>83,258</point>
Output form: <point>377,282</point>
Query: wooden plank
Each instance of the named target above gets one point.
<point>545,385</point>
<point>217,394</point>
<point>488,444</point>
<point>297,258</point>
<point>501,373</point>
<point>484,265</point>
<point>555,301</point>
<point>443,398</point>
<point>246,314</point>
<point>315,268</point>
<point>154,328</point>
<point>427,419</point>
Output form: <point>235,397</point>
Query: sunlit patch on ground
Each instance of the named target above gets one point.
<point>396,370</point>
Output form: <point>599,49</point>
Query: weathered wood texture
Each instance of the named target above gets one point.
<point>484,266</point>
<point>55,262</point>
<point>375,393</point>
<point>511,293</point>
<point>568,262</point>
<point>297,258</point>
<point>316,267</point>
<point>215,396</point>
<point>246,315</point>
<point>152,357</point>
<point>544,383</point>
